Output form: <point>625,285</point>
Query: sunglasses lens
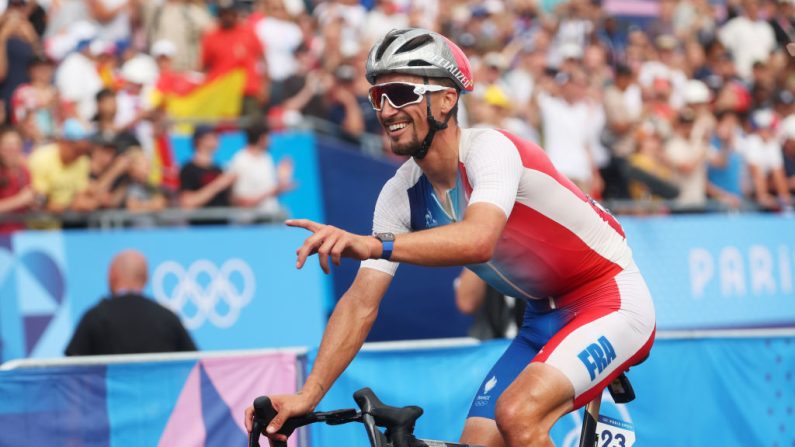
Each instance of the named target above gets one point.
<point>399,95</point>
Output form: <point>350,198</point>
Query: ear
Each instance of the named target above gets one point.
<point>449,99</point>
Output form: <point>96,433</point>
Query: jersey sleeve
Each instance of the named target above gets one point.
<point>392,215</point>
<point>494,168</point>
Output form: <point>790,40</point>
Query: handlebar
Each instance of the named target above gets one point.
<point>399,422</point>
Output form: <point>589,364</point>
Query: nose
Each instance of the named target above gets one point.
<point>387,109</point>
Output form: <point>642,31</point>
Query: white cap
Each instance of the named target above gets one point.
<point>696,92</point>
<point>163,47</point>
<point>763,118</point>
<point>141,69</point>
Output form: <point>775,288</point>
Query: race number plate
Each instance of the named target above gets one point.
<point>614,433</point>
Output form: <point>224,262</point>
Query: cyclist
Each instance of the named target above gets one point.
<point>488,200</point>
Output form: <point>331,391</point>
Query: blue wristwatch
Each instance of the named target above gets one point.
<point>387,243</point>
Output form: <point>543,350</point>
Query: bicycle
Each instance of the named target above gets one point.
<point>398,422</point>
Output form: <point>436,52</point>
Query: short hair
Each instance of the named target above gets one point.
<point>105,93</point>
<point>255,132</point>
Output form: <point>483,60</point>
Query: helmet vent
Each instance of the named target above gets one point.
<point>385,44</point>
<point>415,43</point>
<point>419,63</point>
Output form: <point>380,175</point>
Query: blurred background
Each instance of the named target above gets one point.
<point>188,130</point>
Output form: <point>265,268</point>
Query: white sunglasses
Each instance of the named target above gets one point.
<point>400,94</point>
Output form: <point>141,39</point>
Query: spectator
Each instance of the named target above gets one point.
<point>258,181</point>
<point>35,105</point>
<point>141,195</point>
<point>60,171</point>
<point>108,173</point>
<point>343,105</point>
<point>788,150</point>
<point>763,153</point>
<point>126,322</point>
<point>564,118</point>
<point>496,315</point>
<point>623,107</point>
<point>726,167</point>
<point>748,37</point>
<point>649,175</point>
<point>783,22</point>
<point>77,78</point>
<point>16,195</point>
<point>280,36</point>
<point>105,118</point>
<point>234,45</point>
<point>18,46</point>
<point>202,183</point>
<point>181,22</point>
<point>686,153</point>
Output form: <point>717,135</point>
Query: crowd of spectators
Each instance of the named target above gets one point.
<point>690,104</point>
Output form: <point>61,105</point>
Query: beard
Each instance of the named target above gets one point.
<point>408,148</point>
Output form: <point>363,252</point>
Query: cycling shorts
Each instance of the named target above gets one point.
<point>591,340</point>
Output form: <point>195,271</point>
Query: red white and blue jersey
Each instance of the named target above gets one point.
<point>557,242</point>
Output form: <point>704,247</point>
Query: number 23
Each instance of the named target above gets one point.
<point>607,437</point>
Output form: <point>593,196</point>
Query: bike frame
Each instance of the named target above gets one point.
<point>399,422</point>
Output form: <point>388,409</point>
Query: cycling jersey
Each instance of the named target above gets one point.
<point>590,313</point>
<point>556,242</point>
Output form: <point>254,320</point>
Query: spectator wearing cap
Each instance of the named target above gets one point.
<point>748,37</point>
<point>202,182</point>
<point>35,105</point>
<point>666,67</point>
<point>726,167</point>
<point>762,151</point>
<point>696,96</point>
<point>181,22</point>
<point>77,78</point>
<point>16,194</point>
<point>135,112</point>
<point>259,181</point>
<point>686,153</point>
<point>233,45</point>
<point>18,46</point>
<point>60,171</point>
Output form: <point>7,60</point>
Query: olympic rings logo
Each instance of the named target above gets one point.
<point>209,293</point>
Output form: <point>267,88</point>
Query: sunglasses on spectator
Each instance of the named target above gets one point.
<point>400,94</point>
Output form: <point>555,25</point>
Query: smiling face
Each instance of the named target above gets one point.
<point>407,126</point>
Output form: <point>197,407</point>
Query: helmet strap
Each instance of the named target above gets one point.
<point>433,125</point>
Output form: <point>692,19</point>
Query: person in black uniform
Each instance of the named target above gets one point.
<point>127,322</point>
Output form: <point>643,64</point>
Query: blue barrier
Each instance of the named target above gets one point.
<point>695,392</point>
<point>56,277</point>
<point>727,392</point>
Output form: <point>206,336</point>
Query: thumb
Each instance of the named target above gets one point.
<point>276,423</point>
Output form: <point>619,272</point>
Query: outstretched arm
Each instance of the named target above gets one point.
<point>344,336</point>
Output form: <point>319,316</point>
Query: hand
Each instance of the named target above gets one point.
<point>286,406</point>
<point>328,240</point>
<point>224,181</point>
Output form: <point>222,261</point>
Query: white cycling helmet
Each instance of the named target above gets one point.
<point>420,52</point>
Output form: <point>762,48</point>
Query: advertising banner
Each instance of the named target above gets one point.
<point>717,271</point>
<point>727,392</point>
<point>192,403</point>
<point>233,288</point>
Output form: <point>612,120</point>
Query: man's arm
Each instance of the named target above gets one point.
<point>344,336</point>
